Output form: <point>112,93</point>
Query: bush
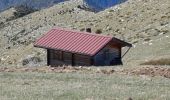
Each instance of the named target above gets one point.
<point>23,10</point>
<point>98,31</point>
<point>2,24</point>
<point>83,29</point>
<point>163,61</point>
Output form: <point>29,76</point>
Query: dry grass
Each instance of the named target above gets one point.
<point>142,70</point>
<point>149,71</point>
<point>163,61</point>
<point>81,86</point>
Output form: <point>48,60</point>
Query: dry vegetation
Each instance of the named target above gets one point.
<point>62,69</point>
<point>150,71</point>
<point>81,86</point>
<point>165,61</point>
<point>130,21</point>
<point>85,83</point>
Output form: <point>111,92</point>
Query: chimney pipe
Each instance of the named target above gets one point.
<point>88,30</point>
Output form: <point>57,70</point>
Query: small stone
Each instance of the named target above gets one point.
<point>130,98</point>
<point>147,39</point>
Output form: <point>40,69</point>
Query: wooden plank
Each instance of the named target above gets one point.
<point>67,57</point>
<point>48,57</point>
<point>56,55</point>
<point>82,64</point>
<point>82,59</point>
<point>62,56</point>
<point>92,61</point>
<point>73,59</point>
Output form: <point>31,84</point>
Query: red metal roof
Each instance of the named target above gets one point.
<point>73,41</point>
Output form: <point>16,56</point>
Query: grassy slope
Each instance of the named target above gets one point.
<point>79,86</point>
<point>131,20</point>
<point>28,28</point>
<point>157,48</point>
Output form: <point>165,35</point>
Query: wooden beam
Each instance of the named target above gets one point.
<point>91,61</point>
<point>126,52</point>
<point>48,57</point>
<point>73,59</point>
<point>120,52</point>
<point>62,59</point>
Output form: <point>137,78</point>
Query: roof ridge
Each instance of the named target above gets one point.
<point>77,31</point>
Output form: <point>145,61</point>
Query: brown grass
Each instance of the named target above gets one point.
<point>149,71</point>
<point>163,61</point>
<point>85,83</point>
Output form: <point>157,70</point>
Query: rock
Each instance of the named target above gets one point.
<point>134,41</point>
<point>2,25</point>
<point>152,32</point>
<point>147,39</point>
<point>31,61</point>
<point>130,98</point>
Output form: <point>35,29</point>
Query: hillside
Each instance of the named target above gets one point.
<point>37,4</point>
<point>145,23</point>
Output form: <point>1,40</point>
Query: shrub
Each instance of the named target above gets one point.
<point>2,24</point>
<point>163,61</point>
<point>98,31</point>
<point>83,29</point>
<point>23,10</point>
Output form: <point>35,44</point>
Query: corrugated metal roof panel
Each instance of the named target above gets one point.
<point>73,41</point>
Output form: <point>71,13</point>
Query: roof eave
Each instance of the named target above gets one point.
<point>123,43</point>
<point>63,50</point>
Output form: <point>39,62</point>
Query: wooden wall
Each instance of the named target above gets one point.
<point>110,55</point>
<point>82,60</point>
<point>59,58</point>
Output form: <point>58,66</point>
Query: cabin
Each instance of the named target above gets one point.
<point>98,5</point>
<point>69,47</point>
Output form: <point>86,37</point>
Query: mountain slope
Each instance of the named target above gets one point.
<point>141,22</point>
<point>37,4</point>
